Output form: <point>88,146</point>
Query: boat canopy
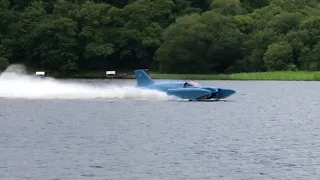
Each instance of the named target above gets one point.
<point>192,84</point>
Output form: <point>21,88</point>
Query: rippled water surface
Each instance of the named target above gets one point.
<point>268,130</point>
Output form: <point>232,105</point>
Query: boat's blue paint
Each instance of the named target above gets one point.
<point>189,93</point>
<point>182,89</point>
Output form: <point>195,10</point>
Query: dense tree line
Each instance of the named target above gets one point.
<point>173,36</point>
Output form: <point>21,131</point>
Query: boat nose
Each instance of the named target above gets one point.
<point>224,93</point>
<point>231,91</point>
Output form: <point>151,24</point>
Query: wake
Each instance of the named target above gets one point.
<point>15,83</point>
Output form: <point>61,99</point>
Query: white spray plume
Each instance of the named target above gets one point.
<point>15,83</point>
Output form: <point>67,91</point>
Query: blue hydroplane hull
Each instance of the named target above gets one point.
<point>182,89</point>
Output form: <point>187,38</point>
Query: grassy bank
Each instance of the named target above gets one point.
<point>279,75</point>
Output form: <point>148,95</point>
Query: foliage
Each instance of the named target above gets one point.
<point>169,36</point>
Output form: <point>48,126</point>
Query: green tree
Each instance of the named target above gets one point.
<point>201,43</point>
<point>310,59</point>
<point>278,56</point>
<point>53,42</point>
<point>227,7</point>
<point>3,59</point>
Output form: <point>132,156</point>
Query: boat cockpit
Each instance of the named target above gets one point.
<point>191,84</point>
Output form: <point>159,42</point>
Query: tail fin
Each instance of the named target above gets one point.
<point>142,78</point>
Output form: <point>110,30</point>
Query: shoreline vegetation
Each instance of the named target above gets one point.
<point>176,38</point>
<point>127,74</point>
<point>274,76</point>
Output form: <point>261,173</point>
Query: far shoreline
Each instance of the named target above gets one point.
<point>254,76</point>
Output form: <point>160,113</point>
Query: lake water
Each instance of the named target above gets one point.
<point>88,129</point>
